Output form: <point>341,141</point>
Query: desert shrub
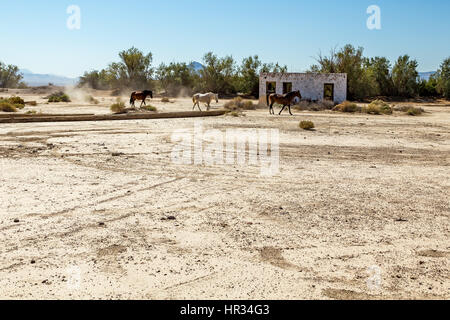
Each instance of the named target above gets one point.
<point>378,107</point>
<point>58,97</point>
<point>16,100</point>
<point>413,111</point>
<point>347,106</point>
<point>150,108</point>
<point>234,113</point>
<point>165,100</point>
<point>306,125</point>
<point>118,107</point>
<point>239,104</point>
<point>7,107</point>
<point>31,112</point>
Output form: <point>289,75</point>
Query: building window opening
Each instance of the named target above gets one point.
<point>287,87</point>
<point>328,91</point>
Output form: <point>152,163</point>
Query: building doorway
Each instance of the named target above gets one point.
<point>271,87</point>
<point>287,87</point>
<point>328,91</point>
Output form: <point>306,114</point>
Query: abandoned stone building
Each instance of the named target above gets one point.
<point>312,86</point>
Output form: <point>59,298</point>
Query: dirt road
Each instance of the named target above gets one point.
<point>359,210</point>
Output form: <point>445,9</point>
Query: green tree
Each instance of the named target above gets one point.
<point>10,77</point>
<point>443,79</point>
<point>218,74</point>
<point>95,80</point>
<point>177,78</point>
<point>271,67</point>
<point>405,76</point>
<point>349,60</point>
<point>133,71</point>
<point>428,88</point>
<point>378,69</point>
<point>248,82</point>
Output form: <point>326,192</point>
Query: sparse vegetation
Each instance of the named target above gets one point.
<point>165,100</point>
<point>410,110</point>
<point>58,97</point>
<point>150,108</point>
<point>306,125</point>
<point>14,102</point>
<point>347,106</point>
<point>240,104</point>
<point>118,107</point>
<point>413,111</point>
<point>7,107</point>
<point>378,107</point>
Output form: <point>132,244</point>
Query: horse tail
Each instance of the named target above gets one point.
<point>268,96</point>
<point>132,97</point>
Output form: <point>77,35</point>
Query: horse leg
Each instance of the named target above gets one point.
<point>271,109</point>
<point>290,110</point>
<point>284,106</point>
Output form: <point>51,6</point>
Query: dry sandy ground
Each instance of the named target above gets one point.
<point>359,210</point>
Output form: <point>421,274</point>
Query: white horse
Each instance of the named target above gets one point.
<point>206,98</point>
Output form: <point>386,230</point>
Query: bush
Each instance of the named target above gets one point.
<point>16,100</point>
<point>165,100</point>
<point>413,111</point>
<point>306,125</point>
<point>118,107</point>
<point>150,108</point>
<point>59,97</point>
<point>7,107</point>
<point>239,104</point>
<point>378,107</point>
<point>347,106</point>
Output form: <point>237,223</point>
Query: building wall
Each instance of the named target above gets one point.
<point>311,85</point>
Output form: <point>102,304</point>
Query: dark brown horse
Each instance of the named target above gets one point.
<point>283,99</point>
<point>140,96</point>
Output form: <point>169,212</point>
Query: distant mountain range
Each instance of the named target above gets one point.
<point>36,79</point>
<point>197,66</point>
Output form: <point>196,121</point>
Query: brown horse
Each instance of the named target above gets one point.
<point>140,96</point>
<point>283,99</point>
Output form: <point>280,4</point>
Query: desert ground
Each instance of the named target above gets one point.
<point>98,210</point>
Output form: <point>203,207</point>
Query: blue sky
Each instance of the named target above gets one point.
<point>34,34</point>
